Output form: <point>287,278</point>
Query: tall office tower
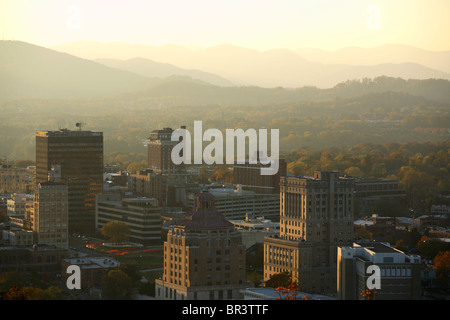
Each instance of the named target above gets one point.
<point>316,216</point>
<point>204,257</point>
<point>50,217</point>
<point>250,176</point>
<point>80,157</point>
<point>160,148</point>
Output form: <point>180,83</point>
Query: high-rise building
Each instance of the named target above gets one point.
<point>146,183</point>
<point>399,273</point>
<point>204,257</point>
<point>316,216</point>
<point>249,175</point>
<point>80,157</point>
<point>50,218</point>
<point>160,147</point>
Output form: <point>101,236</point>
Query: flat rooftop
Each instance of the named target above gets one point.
<point>67,132</point>
<point>377,247</point>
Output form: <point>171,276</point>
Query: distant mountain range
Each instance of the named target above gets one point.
<point>281,67</point>
<point>386,54</point>
<point>152,69</point>
<point>30,71</point>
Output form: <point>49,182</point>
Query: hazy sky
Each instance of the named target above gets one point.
<point>259,24</point>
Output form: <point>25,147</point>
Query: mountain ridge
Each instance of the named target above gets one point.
<point>32,71</point>
<point>150,68</point>
<point>269,68</point>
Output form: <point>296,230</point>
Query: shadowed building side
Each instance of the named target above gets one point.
<point>80,157</point>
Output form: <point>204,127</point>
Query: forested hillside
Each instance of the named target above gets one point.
<point>127,120</point>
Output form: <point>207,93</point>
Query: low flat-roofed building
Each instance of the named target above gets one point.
<point>430,221</point>
<point>20,205</point>
<point>369,192</point>
<point>254,229</point>
<point>235,203</point>
<point>18,180</point>
<point>92,269</point>
<point>39,258</point>
<point>142,215</point>
<point>440,210</point>
<point>399,272</point>
<point>270,294</point>
<point>380,227</point>
<point>18,237</point>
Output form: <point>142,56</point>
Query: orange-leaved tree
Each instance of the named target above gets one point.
<point>289,293</point>
<point>369,294</point>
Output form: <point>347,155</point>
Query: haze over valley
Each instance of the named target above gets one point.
<point>277,67</point>
<point>325,78</point>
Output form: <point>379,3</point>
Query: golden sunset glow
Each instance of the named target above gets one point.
<point>262,25</point>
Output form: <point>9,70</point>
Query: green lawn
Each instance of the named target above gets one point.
<point>143,260</point>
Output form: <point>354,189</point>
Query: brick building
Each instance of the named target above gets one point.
<point>160,147</point>
<point>249,175</point>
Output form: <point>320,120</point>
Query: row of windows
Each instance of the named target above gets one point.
<point>172,294</point>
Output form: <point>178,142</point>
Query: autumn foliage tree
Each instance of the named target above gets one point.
<point>286,288</point>
<point>368,294</point>
<point>116,285</point>
<point>289,293</point>
<point>116,231</point>
<point>442,266</point>
<point>430,248</point>
<point>32,293</point>
<point>282,279</point>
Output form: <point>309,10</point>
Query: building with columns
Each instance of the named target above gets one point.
<point>316,216</point>
<point>204,257</point>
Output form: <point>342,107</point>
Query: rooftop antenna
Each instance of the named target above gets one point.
<point>79,125</point>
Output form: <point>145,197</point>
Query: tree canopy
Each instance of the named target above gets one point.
<point>116,231</point>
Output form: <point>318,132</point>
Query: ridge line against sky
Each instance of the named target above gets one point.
<point>195,47</point>
<point>256,24</point>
